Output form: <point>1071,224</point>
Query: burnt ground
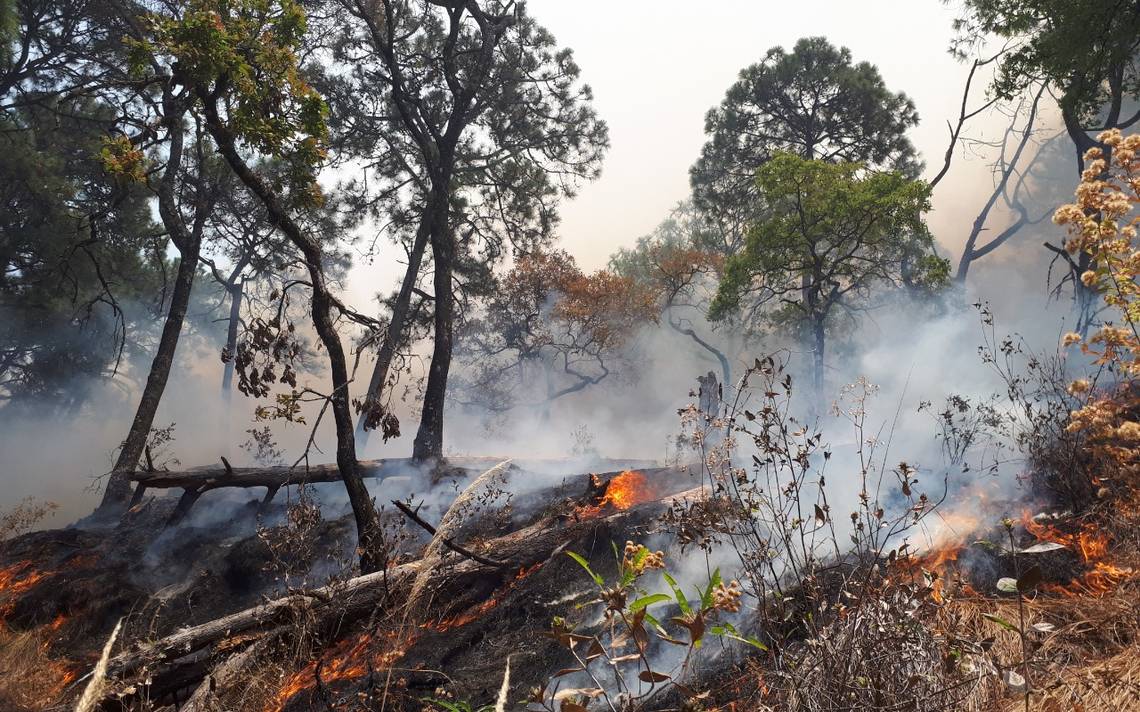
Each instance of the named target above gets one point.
<point>72,585</point>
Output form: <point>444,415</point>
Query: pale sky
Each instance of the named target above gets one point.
<point>657,67</point>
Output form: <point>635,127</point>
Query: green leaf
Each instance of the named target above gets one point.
<point>682,600</point>
<point>727,630</point>
<point>586,565</point>
<point>754,642</point>
<point>646,601</point>
<point>707,597</point>
<point>1001,621</point>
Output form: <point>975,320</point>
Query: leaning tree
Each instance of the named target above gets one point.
<point>235,66</point>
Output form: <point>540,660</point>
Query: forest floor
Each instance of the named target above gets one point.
<point>62,591</point>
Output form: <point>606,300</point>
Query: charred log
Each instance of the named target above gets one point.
<point>203,479</point>
<point>352,596</point>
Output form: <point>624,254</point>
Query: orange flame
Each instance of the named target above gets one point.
<point>622,492</point>
<point>11,581</point>
<point>948,541</point>
<point>479,611</point>
<point>1101,575</point>
<point>358,655</point>
<point>627,489</point>
<point>351,658</point>
<point>16,580</point>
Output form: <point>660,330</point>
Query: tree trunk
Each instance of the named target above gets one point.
<point>236,290</point>
<point>817,363</point>
<point>396,326</point>
<point>429,439</point>
<point>118,491</point>
<point>367,522</point>
<point>237,293</point>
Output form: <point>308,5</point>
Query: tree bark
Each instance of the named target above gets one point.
<point>818,338</point>
<point>118,490</point>
<point>237,293</point>
<point>429,439</point>
<point>360,593</point>
<point>188,242</point>
<point>367,522</point>
<point>396,326</point>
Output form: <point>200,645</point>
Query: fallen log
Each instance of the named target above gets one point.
<point>415,517</point>
<point>228,673</point>
<point>197,481</point>
<point>281,476</point>
<point>447,588</point>
<point>349,596</point>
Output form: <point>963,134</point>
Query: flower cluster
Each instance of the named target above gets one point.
<point>726,597</point>
<point>1101,225</point>
<point>638,558</point>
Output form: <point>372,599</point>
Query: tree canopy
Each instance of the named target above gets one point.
<point>815,102</point>
<point>1093,78</point>
<point>833,233</point>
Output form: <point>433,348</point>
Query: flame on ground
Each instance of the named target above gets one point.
<point>351,658</point>
<point>361,654</point>
<point>1101,576</point>
<point>15,581</point>
<point>479,611</point>
<point>30,674</point>
<point>947,543</point>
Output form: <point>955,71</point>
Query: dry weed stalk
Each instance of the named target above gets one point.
<point>844,629</point>
<point>96,688</point>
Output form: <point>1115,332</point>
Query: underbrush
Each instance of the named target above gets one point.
<point>30,679</point>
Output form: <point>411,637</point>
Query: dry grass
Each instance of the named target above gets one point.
<point>1090,661</point>
<point>30,680</point>
<point>259,686</point>
<point>1108,685</point>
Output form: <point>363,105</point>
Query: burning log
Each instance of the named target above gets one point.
<point>197,481</point>
<point>454,592</point>
<point>356,594</point>
<point>457,608</point>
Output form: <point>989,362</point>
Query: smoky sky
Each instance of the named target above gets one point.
<point>656,68</point>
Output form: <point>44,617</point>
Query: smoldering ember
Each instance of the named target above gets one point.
<point>490,355</point>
